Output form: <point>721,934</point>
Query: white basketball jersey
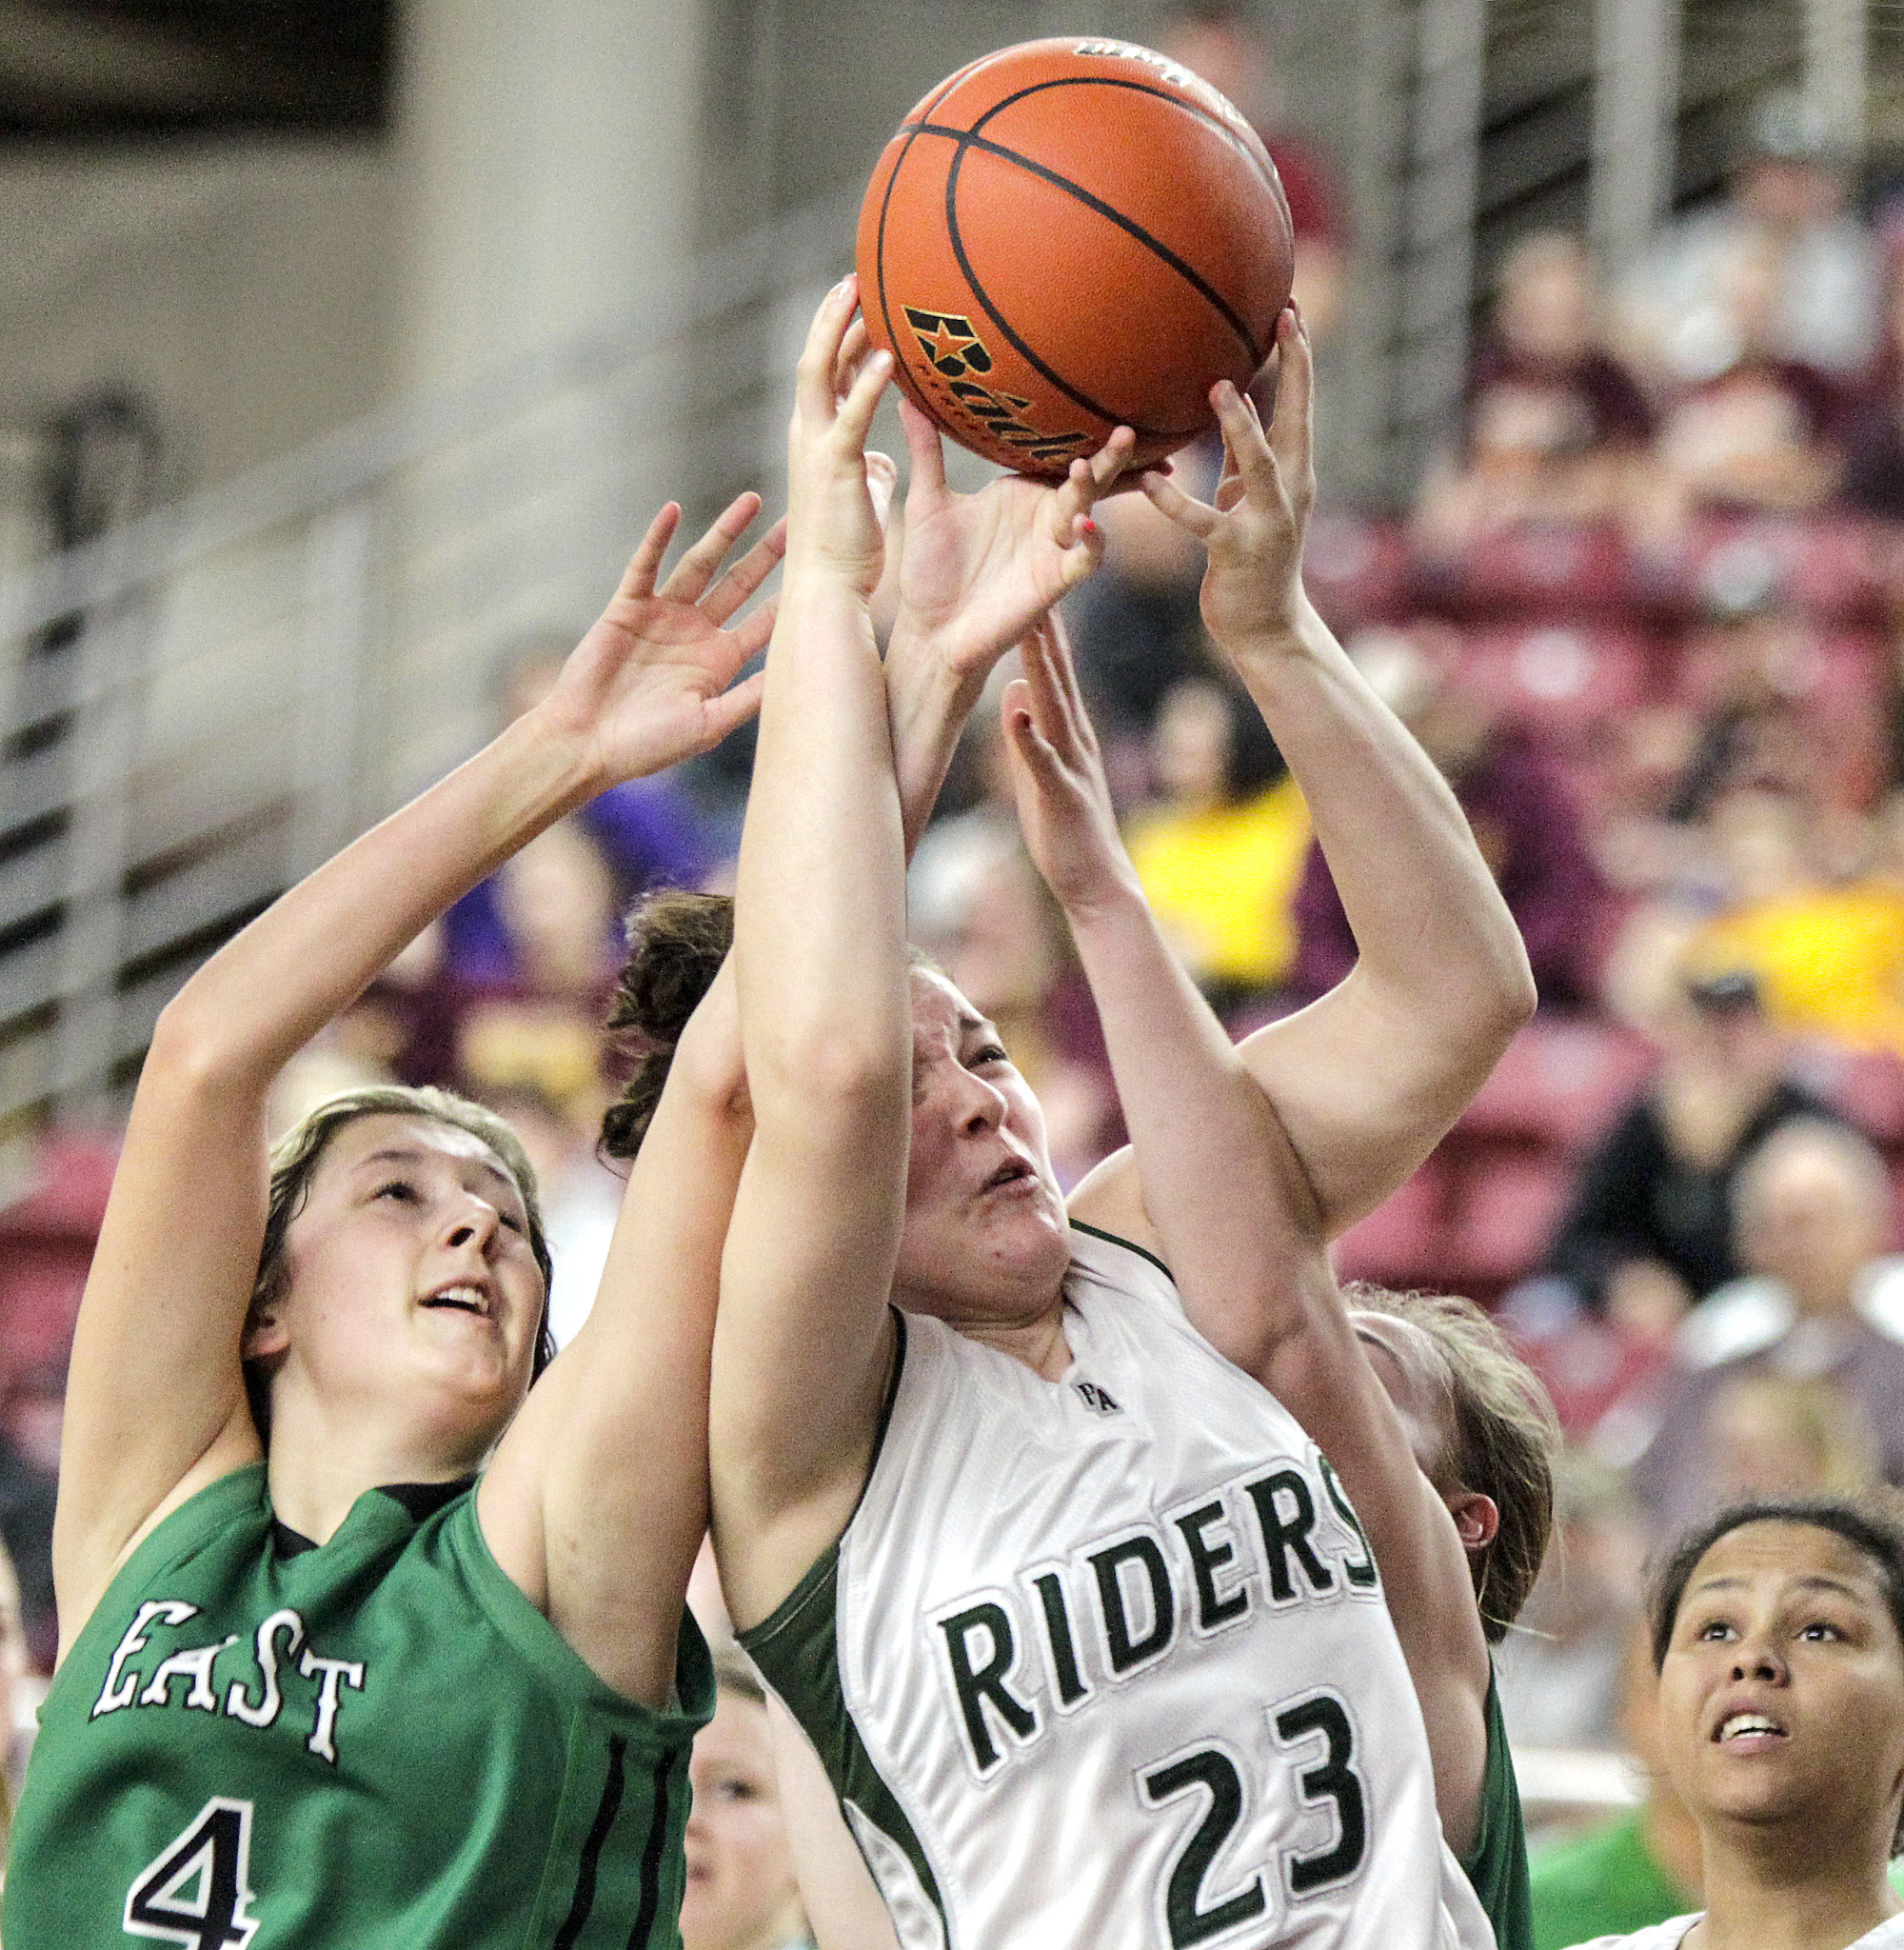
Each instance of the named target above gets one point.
<point>1104,1661</point>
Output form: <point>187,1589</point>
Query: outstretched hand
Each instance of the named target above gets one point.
<point>1057,776</point>
<point>977,571</point>
<point>1253,588</point>
<point>653,682</point>
<point>837,494</point>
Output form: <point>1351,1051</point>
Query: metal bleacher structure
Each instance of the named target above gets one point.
<point>203,702</point>
<point>200,706</point>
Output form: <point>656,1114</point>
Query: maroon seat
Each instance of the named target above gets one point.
<point>1402,1242</point>
<point>1561,680</point>
<point>1562,1081</point>
<point>1355,569</point>
<point>1507,1203</point>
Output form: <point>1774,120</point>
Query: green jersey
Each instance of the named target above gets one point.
<point>260,1745</point>
<point>1496,1864</point>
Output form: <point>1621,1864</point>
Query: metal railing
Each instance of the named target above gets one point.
<point>202,705</point>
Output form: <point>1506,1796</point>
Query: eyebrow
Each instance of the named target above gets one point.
<point>405,1154</point>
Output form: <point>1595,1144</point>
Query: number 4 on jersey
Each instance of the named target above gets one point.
<point>198,1889</point>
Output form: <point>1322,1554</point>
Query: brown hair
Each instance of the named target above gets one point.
<point>1505,1436</point>
<point>677,941</point>
<point>294,1160</point>
<point>734,1672</point>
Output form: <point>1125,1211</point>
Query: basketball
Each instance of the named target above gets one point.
<point>1068,236</point>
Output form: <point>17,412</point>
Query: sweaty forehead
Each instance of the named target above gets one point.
<point>387,1136</point>
<point>1778,1552</point>
<point>938,1008</point>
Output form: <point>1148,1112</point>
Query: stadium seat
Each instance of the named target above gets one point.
<point>1549,569</point>
<point>1827,565</point>
<point>1507,1203</point>
<point>1561,680</point>
<point>1355,570</point>
<point>1402,1242</point>
<point>1562,1081</point>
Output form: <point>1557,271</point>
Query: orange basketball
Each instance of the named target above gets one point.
<point>1068,236</point>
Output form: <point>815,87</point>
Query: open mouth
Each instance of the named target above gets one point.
<point>466,1300</point>
<point>1012,1171</point>
<point>1739,1727</point>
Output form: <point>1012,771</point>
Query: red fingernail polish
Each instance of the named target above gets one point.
<point>1090,526</point>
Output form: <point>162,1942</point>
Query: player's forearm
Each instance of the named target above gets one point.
<point>820,909</point>
<point>1218,1180</point>
<point>928,707</point>
<point>1425,909</point>
<point>268,990</point>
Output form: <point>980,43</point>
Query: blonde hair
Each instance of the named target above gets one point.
<point>1504,1441</point>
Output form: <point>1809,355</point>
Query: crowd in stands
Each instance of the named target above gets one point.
<point>1645,610</point>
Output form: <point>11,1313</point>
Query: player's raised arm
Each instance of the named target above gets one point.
<point>156,1404</point>
<point>596,1504</point>
<point>803,1344</point>
<point>1368,1078</point>
<point>975,572</point>
<point>1226,1206</point>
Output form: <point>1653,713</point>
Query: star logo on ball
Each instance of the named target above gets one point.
<point>949,342</point>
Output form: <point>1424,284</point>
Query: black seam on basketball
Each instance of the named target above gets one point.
<point>998,318</point>
<point>1071,392</point>
<point>879,254</point>
<point>1136,87</point>
<point>968,140</point>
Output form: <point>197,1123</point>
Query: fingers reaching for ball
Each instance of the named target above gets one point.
<point>1254,525</point>
<point>837,494</point>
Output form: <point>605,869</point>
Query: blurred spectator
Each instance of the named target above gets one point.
<point>1525,818</point>
<point>16,1725</point>
<point>1872,435</point>
<point>1819,930</point>
<point>1822,1302</point>
<point>540,1028</point>
<point>1640,1869</point>
<point>1758,434</point>
<point>581,1197</point>
<point>1781,245</point>
<point>1650,1226</point>
<point>646,833</point>
<point>1221,851</point>
<point>1779,1436</point>
<point>739,1892</point>
<point>1559,1668</point>
<point>1553,425</point>
<point>1223,40</point>
<point>1136,623</point>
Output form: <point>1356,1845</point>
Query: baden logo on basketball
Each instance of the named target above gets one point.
<point>949,342</point>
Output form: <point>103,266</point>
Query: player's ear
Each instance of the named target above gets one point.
<point>263,1333</point>
<point>1477,1519</point>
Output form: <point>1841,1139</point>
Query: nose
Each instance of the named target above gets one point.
<point>476,1223</point>
<point>982,1105</point>
<point>1758,1659</point>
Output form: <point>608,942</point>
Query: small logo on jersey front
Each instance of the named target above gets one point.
<point>1096,1398</point>
<point>949,342</point>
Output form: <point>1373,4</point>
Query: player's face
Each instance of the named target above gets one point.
<point>740,1891</point>
<point>410,1263</point>
<point>1403,1361</point>
<point>986,1227</point>
<point>1781,1698</point>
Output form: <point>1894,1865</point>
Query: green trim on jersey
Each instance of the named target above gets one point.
<point>377,1742</point>
<point>1129,1245</point>
<point>1496,1864</point>
<point>797,1650</point>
